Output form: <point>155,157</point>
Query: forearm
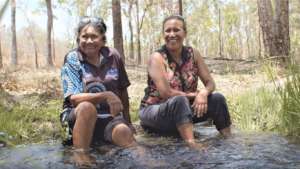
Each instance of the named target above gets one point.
<point>90,97</point>
<point>171,93</point>
<point>209,87</point>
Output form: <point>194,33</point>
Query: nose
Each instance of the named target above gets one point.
<point>172,33</point>
<point>89,40</point>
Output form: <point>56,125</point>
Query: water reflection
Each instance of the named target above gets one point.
<point>251,150</point>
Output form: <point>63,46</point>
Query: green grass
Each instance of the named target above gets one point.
<point>255,109</point>
<point>134,109</point>
<point>32,120</point>
<point>271,107</point>
<point>290,96</point>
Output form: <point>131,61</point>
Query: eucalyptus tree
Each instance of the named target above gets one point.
<point>2,10</point>
<point>14,53</point>
<point>117,27</point>
<point>49,60</point>
<point>275,26</point>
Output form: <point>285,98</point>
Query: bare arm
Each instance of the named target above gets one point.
<point>204,74</point>
<point>200,102</point>
<point>113,101</point>
<point>157,72</point>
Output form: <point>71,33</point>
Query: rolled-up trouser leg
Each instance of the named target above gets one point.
<point>165,117</point>
<point>217,110</point>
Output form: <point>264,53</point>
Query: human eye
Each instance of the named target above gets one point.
<point>177,29</point>
<point>84,36</point>
<point>168,30</point>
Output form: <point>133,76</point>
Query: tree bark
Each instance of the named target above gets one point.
<point>220,34</point>
<point>131,46</point>
<point>180,7</point>
<point>282,25</point>
<point>139,57</point>
<point>117,27</point>
<point>275,28</point>
<point>14,53</point>
<point>49,33</point>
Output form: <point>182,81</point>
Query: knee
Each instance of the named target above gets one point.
<point>218,98</point>
<point>122,130</point>
<point>181,107</point>
<point>86,110</point>
<point>122,135</point>
<point>180,102</point>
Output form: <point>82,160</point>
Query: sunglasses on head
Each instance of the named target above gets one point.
<point>86,19</point>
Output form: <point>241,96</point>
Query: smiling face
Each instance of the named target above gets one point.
<point>174,34</point>
<point>90,41</point>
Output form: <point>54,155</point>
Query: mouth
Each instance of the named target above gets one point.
<point>90,47</point>
<point>173,40</point>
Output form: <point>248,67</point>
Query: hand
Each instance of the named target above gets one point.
<point>191,95</point>
<point>200,103</point>
<point>114,102</point>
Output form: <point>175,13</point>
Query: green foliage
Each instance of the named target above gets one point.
<point>31,122</point>
<point>255,109</point>
<point>290,96</point>
<point>272,107</point>
<point>134,110</point>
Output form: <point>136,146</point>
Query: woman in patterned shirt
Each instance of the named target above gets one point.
<point>95,90</point>
<point>172,102</point>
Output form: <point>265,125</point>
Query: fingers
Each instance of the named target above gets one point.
<point>200,109</point>
<point>115,108</point>
<point>115,104</point>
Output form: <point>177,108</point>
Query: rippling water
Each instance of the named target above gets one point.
<point>244,150</point>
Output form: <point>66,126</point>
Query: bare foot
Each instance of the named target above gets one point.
<point>83,159</point>
<point>198,146</point>
<point>226,132</point>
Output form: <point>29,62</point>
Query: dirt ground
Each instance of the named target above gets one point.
<point>230,77</point>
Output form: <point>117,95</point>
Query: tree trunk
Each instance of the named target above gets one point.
<point>275,29</point>
<point>117,25</point>
<point>139,57</point>
<point>53,46</point>
<point>220,34</point>
<point>14,53</point>
<point>49,33</point>
<point>282,25</point>
<point>131,46</point>
<point>180,7</point>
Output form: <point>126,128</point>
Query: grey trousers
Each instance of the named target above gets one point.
<point>165,117</point>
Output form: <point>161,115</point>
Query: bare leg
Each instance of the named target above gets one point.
<point>123,136</point>
<point>86,116</point>
<point>186,132</point>
<point>226,132</point>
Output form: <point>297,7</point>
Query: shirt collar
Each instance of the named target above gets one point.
<point>105,52</point>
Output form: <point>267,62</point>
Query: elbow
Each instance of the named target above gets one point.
<point>73,100</point>
<point>165,94</point>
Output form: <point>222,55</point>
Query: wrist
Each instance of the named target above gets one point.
<point>204,92</point>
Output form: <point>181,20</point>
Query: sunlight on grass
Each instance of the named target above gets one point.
<point>255,109</point>
<point>29,122</point>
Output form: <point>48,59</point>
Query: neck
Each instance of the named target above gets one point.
<point>176,54</point>
<point>93,59</point>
